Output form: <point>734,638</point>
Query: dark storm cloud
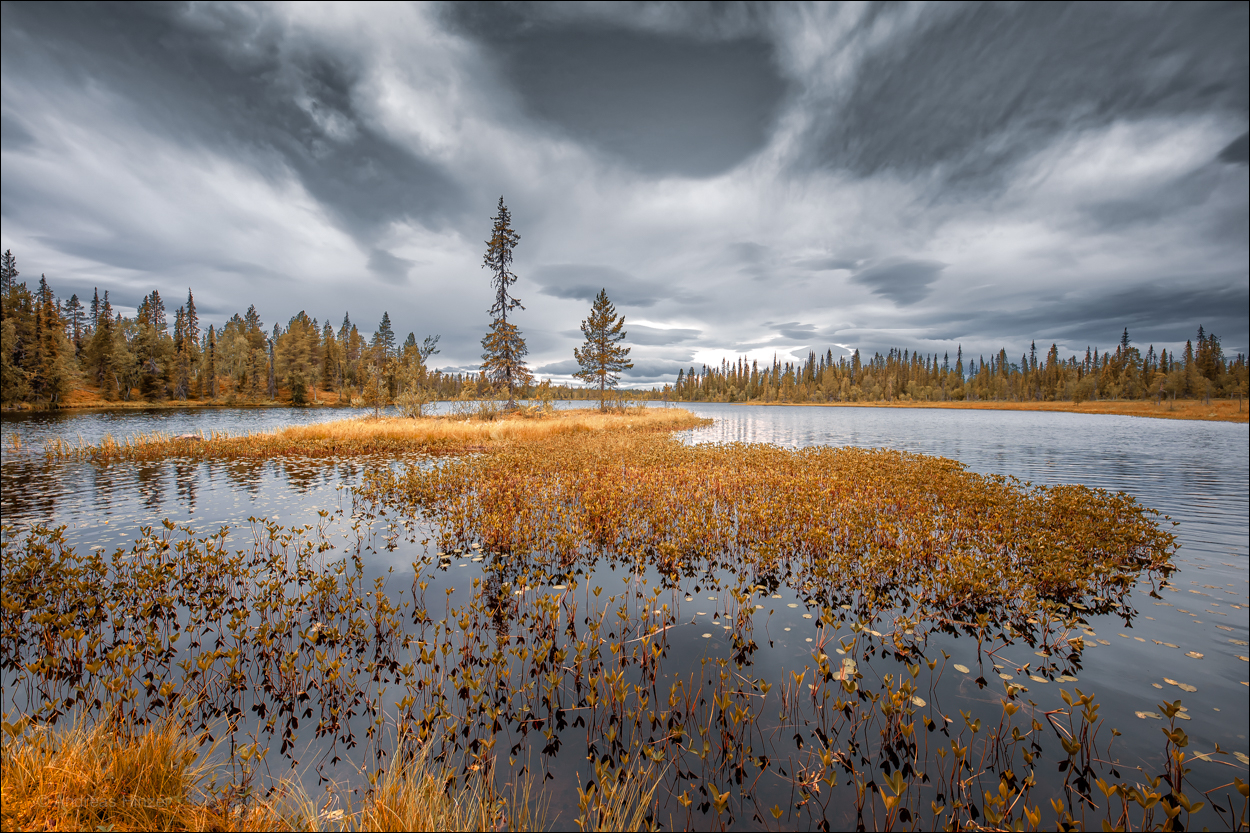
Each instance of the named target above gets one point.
<point>1237,152</point>
<point>388,267</point>
<point>583,282</point>
<point>227,78</point>
<point>665,103</point>
<point>901,280</point>
<point>976,87</point>
<point>1167,311</point>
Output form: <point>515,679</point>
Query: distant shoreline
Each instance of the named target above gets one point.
<point>1189,409</point>
<point>1192,409</point>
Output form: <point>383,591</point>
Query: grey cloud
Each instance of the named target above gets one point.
<point>1237,152</point>
<point>1159,312</point>
<point>809,333</point>
<point>901,280</point>
<point>748,251</point>
<point>388,267</point>
<point>565,367</point>
<point>826,264</point>
<point>1153,206</point>
<point>232,79</point>
<point>13,135</point>
<point>650,369</point>
<point>655,368</point>
<point>795,330</point>
<point>658,336</point>
<point>664,103</point>
<point>582,282</point>
<point>976,87</point>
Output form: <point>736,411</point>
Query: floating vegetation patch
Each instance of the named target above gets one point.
<point>726,636</point>
<point>385,436</point>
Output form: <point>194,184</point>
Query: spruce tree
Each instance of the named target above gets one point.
<point>8,270</point>
<point>602,358</point>
<point>74,316</point>
<point>210,369</point>
<point>503,361</point>
<point>384,338</point>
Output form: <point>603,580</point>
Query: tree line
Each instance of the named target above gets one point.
<point>1199,371</point>
<point>48,347</point>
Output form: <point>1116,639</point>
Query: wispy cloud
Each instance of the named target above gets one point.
<point>872,176</point>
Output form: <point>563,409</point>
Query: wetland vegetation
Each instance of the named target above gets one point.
<point>734,636</point>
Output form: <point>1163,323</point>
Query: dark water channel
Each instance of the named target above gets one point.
<point>1194,472</point>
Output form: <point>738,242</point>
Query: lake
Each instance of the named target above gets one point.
<point>1196,473</point>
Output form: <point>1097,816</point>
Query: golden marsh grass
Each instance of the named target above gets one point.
<point>116,776</point>
<point>592,551</point>
<point>388,435</point>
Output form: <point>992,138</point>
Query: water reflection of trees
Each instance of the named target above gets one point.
<point>244,475</point>
<point>30,489</point>
<point>186,477</point>
<point>149,478</point>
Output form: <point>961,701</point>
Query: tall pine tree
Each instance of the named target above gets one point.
<point>503,361</point>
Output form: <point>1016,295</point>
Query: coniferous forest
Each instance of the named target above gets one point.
<point>53,347</point>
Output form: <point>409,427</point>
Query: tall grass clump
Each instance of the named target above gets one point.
<point>110,775</point>
<point>473,432</point>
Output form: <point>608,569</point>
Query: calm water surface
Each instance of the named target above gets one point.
<point>1194,472</point>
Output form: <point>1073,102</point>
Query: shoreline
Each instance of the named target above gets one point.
<point>1183,409</point>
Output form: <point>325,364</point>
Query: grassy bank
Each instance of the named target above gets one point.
<point>112,776</point>
<point>389,435</point>
<point>1221,410</point>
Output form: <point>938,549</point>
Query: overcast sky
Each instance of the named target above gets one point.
<point>746,179</point>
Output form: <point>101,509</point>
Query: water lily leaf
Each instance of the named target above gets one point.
<point>1194,654</point>
<point>1144,715</point>
<point>919,701</point>
<point>1038,679</point>
<point>1170,682</point>
<point>1241,756</point>
<point>1007,676</point>
<point>1156,685</point>
<point>1186,687</point>
<point>1170,645</point>
<point>963,669</point>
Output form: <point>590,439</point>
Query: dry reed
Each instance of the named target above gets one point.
<point>386,436</point>
<point>108,775</point>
